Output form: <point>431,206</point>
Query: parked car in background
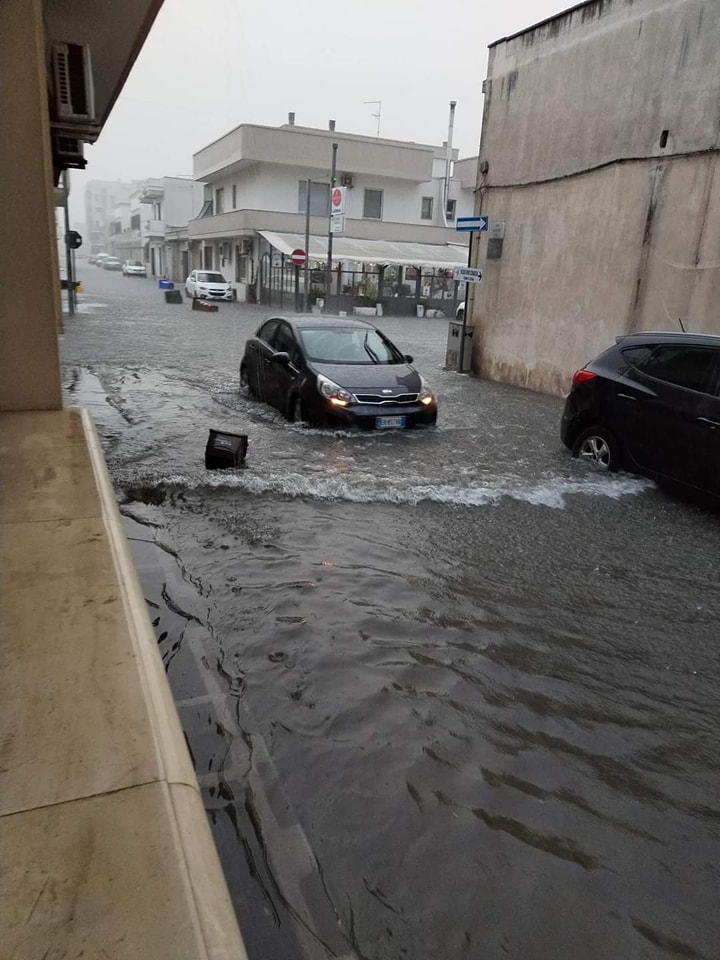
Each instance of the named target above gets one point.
<point>134,268</point>
<point>101,258</point>
<point>460,312</point>
<point>92,258</point>
<point>650,404</point>
<point>208,285</point>
<point>112,263</point>
<point>335,371</point>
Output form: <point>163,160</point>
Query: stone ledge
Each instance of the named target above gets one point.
<point>103,837</point>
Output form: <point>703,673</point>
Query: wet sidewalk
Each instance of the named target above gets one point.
<point>103,836</point>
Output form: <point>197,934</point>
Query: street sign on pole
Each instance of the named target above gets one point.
<point>467,274</point>
<point>337,223</point>
<point>298,257</point>
<point>338,197</point>
<point>472,224</point>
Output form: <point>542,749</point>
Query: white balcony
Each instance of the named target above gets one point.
<point>154,228</point>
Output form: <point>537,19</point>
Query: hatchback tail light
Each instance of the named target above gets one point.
<point>581,376</point>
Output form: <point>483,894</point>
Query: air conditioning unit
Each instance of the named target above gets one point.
<point>346,180</point>
<point>73,94</point>
<point>68,152</point>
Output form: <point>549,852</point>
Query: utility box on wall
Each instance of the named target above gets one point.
<point>452,354</point>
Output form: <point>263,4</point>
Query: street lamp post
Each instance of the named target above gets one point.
<point>328,269</point>
<point>306,266</point>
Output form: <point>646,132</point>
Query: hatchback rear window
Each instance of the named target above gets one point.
<point>689,367</point>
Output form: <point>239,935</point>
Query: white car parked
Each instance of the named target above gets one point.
<point>460,312</point>
<point>208,286</point>
<point>133,268</point>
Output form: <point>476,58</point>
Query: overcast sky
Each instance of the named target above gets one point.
<point>206,67</point>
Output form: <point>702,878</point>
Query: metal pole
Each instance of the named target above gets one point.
<point>306,268</point>
<point>448,161</point>
<point>68,251</point>
<point>328,269</point>
<point>461,361</point>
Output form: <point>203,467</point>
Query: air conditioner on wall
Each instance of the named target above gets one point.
<point>346,180</point>
<point>73,93</point>
<point>68,152</point>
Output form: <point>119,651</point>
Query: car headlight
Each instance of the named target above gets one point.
<point>426,396</point>
<point>334,393</point>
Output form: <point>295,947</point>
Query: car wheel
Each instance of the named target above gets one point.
<point>597,445</point>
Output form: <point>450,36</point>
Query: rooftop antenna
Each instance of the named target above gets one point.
<point>378,104</point>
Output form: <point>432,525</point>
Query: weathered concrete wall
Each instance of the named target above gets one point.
<point>611,227</point>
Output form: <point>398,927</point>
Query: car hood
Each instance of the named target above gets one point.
<point>364,377</point>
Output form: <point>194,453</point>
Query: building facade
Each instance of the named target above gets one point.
<point>151,226</point>
<point>599,152</point>
<point>257,186</point>
<point>101,199</point>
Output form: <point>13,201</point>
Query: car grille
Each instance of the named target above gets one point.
<point>400,400</point>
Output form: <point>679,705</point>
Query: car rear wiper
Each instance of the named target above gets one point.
<point>369,350</point>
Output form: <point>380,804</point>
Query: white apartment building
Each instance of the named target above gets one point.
<point>101,199</point>
<point>256,197</point>
<point>152,225</point>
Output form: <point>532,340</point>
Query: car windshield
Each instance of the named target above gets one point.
<point>211,278</point>
<point>134,263</point>
<point>347,345</point>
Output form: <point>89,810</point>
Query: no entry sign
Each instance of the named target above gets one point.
<point>337,200</point>
<point>298,257</point>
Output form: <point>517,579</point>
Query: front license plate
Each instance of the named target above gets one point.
<point>384,423</point>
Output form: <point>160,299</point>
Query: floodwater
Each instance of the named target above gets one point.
<point>449,693</point>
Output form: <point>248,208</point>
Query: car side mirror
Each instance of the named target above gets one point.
<point>408,358</point>
<point>282,358</point>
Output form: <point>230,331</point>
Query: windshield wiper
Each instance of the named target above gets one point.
<point>369,350</point>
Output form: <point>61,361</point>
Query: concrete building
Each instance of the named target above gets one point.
<point>599,152</point>
<point>256,194</point>
<point>101,199</point>
<point>152,225</point>
<point>104,841</point>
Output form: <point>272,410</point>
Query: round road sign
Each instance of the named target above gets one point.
<point>298,257</point>
<point>336,198</point>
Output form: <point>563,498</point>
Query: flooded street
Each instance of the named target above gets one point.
<point>448,692</point>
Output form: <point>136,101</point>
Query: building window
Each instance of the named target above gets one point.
<point>135,221</point>
<point>319,198</point>
<point>234,206</point>
<point>426,208</point>
<point>450,210</point>
<point>372,205</point>
<point>157,210</point>
<point>219,200</point>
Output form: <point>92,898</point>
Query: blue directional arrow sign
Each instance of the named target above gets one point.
<point>472,224</point>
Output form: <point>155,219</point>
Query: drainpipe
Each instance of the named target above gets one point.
<point>448,161</point>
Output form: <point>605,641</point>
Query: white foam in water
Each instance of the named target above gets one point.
<point>370,489</point>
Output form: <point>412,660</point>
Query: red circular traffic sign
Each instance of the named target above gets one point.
<point>336,197</point>
<point>298,257</point>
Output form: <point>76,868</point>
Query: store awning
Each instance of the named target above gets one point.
<point>347,249</point>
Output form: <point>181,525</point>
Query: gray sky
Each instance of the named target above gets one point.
<point>206,67</point>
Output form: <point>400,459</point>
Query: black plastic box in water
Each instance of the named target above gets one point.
<point>173,296</point>
<point>225,450</point>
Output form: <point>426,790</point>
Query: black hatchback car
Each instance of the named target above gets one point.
<point>650,404</point>
<point>345,371</point>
